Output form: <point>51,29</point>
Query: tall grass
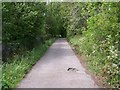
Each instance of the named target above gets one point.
<point>14,71</point>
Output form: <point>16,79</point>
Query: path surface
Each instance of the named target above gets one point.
<point>51,71</point>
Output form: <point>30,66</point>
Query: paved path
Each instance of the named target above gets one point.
<point>51,71</point>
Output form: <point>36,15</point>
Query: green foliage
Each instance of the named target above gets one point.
<point>23,26</point>
<point>55,20</point>
<point>93,28</point>
<point>27,24</point>
<point>100,40</point>
<point>22,22</point>
<point>15,70</point>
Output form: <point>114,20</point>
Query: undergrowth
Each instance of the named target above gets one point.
<point>98,61</point>
<point>14,71</point>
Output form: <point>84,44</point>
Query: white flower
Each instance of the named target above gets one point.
<point>114,65</point>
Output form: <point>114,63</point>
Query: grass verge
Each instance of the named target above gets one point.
<point>13,72</point>
<point>96,61</point>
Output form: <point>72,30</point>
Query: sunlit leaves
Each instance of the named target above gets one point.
<point>101,37</point>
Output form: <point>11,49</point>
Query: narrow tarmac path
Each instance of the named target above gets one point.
<point>58,68</point>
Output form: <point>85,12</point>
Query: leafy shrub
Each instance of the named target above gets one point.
<point>101,41</point>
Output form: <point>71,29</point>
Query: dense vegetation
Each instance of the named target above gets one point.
<point>14,71</point>
<point>97,26</point>
<point>26,37</point>
<point>23,26</point>
<point>92,28</point>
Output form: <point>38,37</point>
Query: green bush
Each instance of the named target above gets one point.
<point>101,42</point>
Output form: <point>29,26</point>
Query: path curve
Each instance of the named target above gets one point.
<point>51,71</point>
